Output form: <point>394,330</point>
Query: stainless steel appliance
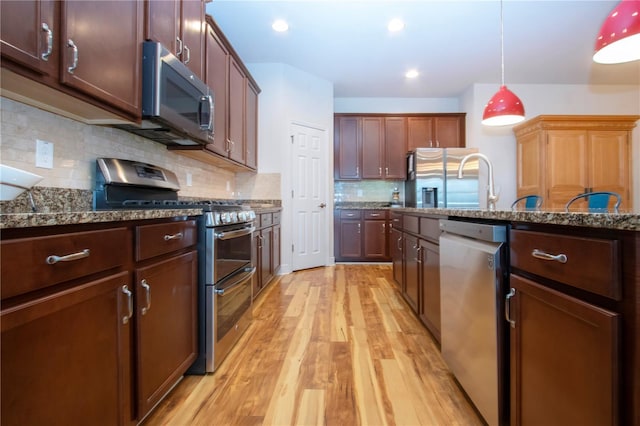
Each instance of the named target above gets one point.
<point>177,107</point>
<point>224,249</point>
<point>473,283</point>
<point>432,179</point>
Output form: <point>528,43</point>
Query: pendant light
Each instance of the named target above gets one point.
<point>504,108</point>
<point>619,37</point>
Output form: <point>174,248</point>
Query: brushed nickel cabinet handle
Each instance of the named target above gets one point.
<point>179,46</point>
<point>46,29</point>
<point>507,307</point>
<point>146,286</point>
<point>74,63</point>
<point>188,52</point>
<point>53,259</point>
<point>539,254</point>
<point>177,236</point>
<point>126,318</point>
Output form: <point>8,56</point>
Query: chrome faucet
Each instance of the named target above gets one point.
<point>492,197</point>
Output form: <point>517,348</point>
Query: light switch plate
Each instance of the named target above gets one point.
<point>44,154</point>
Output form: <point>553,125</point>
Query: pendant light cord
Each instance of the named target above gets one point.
<point>502,43</point>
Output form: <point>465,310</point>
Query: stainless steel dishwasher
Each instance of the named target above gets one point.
<point>473,282</point>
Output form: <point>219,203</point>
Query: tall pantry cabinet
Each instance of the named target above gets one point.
<point>561,156</point>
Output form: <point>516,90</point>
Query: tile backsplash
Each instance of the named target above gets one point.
<point>367,190</point>
<point>77,145</point>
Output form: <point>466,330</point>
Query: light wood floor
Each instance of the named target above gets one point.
<point>327,346</point>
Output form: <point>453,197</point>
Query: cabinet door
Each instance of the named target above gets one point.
<point>251,127</point>
<point>347,148</point>
<point>256,256</point>
<point>447,132</point>
<point>166,313</point>
<point>29,34</point>
<point>66,357</point>
<point>430,282</point>
<point>163,23</point>
<point>105,63</point>
<point>564,359</point>
<point>419,133</point>
<point>395,147</point>
<point>375,239</point>
<point>396,256</point>
<point>608,165</point>
<point>350,239</point>
<point>192,31</point>
<point>275,252</point>
<point>372,152</point>
<point>236,111</point>
<point>266,254</point>
<point>566,161</point>
<point>217,69</point>
<point>411,291</point>
<point>531,165</point>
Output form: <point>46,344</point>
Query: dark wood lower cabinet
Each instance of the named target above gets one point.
<point>65,356</point>
<point>564,359</point>
<point>166,310</point>
<point>266,250</point>
<point>362,235</point>
<point>395,246</point>
<point>429,311</point>
<point>411,289</point>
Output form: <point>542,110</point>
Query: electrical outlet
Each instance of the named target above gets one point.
<point>189,179</point>
<point>44,154</point>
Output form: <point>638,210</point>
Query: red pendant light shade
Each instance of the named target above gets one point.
<point>503,108</point>
<point>619,37</point>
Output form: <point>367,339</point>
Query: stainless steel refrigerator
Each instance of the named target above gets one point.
<point>432,179</point>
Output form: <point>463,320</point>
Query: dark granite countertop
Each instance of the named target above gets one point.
<point>60,206</point>
<point>624,221</point>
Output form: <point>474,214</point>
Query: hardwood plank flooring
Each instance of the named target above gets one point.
<point>327,346</point>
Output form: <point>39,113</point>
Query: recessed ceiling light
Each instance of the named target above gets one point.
<point>280,25</point>
<point>413,73</point>
<point>395,25</point>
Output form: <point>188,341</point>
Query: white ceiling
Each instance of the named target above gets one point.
<point>453,44</point>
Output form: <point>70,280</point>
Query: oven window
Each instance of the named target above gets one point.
<point>231,306</point>
<point>231,255</point>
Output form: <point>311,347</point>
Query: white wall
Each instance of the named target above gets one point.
<point>291,96</point>
<point>499,143</point>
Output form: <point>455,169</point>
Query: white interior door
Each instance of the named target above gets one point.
<point>309,193</point>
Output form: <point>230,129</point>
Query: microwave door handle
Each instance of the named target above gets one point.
<point>210,99</point>
<point>203,101</point>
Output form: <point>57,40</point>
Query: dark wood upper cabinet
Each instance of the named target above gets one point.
<point>235,129</point>
<point>251,126</point>
<point>72,47</point>
<point>347,148</point>
<point>374,146</point>
<point>172,23</point>
<point>217,70</point>
<point>29,40</point>
<point>436,131</point>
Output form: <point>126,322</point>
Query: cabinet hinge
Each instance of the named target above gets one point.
<point>292,193</point>
<point>292,248</point>
<point>292,139</point>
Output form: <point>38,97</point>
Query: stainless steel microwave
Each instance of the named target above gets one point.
<point>177,107</point>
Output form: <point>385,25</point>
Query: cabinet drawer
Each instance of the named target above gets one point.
<point>266,219</point>
<point>32,263</point>
<point>276,218</point>
<point>350,214</point>
<point>154,240</point>
<point>430,228</point>
<point>396,220</point>
<point>375,214</point>
<point>591,264</point>
<point>411,224</point>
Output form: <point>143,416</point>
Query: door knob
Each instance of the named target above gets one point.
<point>322,205</point>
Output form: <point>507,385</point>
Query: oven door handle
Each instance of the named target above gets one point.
<point>242,277</point>
<point>234,234</point>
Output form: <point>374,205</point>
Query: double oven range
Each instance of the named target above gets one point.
<point>225,235</point>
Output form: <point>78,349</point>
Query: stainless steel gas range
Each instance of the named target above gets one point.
<point>225,235</point>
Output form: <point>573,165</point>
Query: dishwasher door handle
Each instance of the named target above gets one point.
<point>507,307</point>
